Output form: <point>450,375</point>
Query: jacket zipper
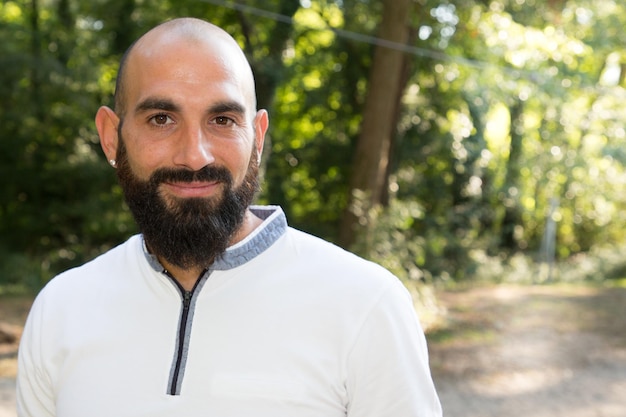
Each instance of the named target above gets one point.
<point>181,340</point>
<point>187,296</point>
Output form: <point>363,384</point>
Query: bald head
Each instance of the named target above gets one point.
<point>206,38</point>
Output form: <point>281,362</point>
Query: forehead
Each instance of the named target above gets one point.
<point>188,68</point>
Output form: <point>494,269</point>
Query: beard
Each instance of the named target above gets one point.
<point>187,232</point>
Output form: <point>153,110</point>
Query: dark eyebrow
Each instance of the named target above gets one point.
<point>227,107</point>
<point>155,103</point>
<point>152,103</point>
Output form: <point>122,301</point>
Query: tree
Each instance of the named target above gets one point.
<point>454,144</point>
<point>373,150</point>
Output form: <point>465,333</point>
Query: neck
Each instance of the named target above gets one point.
<point>187,277</point>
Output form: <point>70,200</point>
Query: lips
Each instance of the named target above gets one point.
<point>192,188</point>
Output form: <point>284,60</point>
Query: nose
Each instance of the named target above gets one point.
<point>194,149</point>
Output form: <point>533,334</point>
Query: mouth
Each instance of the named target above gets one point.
<point>193,189</point>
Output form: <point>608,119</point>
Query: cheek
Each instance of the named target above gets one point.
<point>145,151</point>
<point>143,160</point>
<point>239,162</point>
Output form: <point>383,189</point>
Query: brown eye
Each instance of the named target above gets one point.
<point>222,120</point>
<point>160,119</point>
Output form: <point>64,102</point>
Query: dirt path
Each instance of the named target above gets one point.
<point>7,397</point>
<point>13,312</point>
<point>532,351</point>
<point>544,351</point>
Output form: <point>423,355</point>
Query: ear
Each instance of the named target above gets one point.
<point>261,123</point>
<point>107,123</point>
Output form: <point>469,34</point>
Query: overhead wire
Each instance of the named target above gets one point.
<point>376,41</point>
<point>535,77</point>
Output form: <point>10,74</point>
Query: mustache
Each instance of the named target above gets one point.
<point>207,173</point>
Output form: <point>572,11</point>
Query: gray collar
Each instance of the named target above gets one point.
<point>274,226</point>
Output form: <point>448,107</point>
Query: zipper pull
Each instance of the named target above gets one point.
<point>187,299</point>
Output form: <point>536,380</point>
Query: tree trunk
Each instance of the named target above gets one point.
<point>36,69</point>
<point>372,153</point>
<point>512,215</point>
<point>125,27</point>
<point>65,36</point>
<point>269,69</point>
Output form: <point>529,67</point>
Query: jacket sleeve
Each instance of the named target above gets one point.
<point>34,395</point>
<point>388,370</point>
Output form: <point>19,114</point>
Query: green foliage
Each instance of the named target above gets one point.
<point>510,107</point>
<point>19,273</point>
<point>318,114</point>
<point>459,126</point>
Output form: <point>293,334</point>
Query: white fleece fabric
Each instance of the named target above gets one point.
<point>301,329</point>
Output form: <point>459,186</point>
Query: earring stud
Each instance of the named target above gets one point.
<point>112,162</point>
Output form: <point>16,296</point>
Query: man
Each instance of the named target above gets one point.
<point>218,308</point>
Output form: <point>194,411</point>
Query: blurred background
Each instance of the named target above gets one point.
<point>448,140</point>
<point>465,145</point>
